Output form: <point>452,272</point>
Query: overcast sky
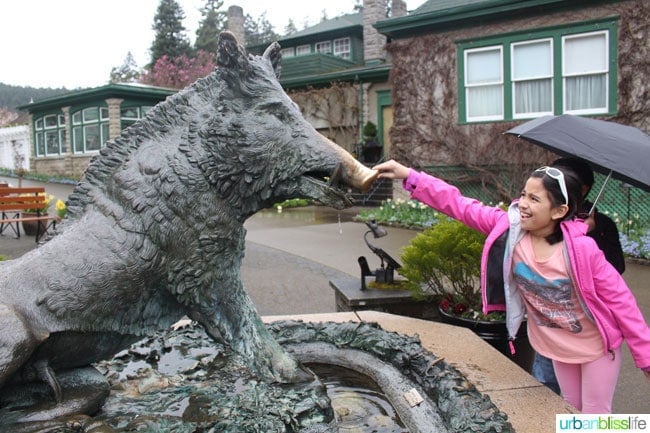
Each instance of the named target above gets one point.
<point>76,43</point>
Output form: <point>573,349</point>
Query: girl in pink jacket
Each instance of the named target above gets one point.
<point>537,261</point>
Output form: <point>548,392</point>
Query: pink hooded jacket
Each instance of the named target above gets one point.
<point>604,294</point>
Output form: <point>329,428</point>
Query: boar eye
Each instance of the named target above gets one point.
<point>280,115</point>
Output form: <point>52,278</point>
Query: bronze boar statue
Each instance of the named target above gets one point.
<point>154,232</point>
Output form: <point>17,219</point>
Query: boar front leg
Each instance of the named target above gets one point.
<point>232,317</point>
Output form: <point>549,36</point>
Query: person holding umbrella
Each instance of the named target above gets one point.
<point>603,230</point>
<point>579,307</point>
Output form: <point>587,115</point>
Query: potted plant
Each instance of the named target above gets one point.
<point>442,264</point>
<point>371,148</point>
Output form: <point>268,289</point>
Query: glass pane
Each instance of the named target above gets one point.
<point>76,117</point>
<point>145,109</point>
<point>91,137</point>
<point>90,114</point>
<point>52,142</point>
<point>50,121</point>
<point>483,67</point>
<point>129,113</point>
<point>589,92</point>
<point>64,147</point>
<point>125,123</point>
<point>532,60</point>
<point>104,137</point>
<point>303,49</point>
<point>534,96</point>
<point>485,101</point>
<point>78,140</point>
<point>61,120</point>
<point>584,54</point>
<point>40,144</point>
<point>287,52</point>
<point>39,123</point>
<point>103,113</point>
<point>323,47</point>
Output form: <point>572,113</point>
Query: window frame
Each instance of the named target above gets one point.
<point>323,47</point>
<point>500,82</point>
<point>606,72</point>
<point>85,126</point>
<point>529,114</point>
<point>303,50</point>
<point>46,132</point>
<point>347,43</point>
<point>557,35</point>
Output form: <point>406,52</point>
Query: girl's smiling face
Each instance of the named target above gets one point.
<point>538,214</point>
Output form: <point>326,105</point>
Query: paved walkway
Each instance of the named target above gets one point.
<point>291,256</point>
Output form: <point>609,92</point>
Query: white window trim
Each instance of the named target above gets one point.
<point>301,48</point>
<point>513,80</point>
<point>607,72</point>
<point>470,86</point>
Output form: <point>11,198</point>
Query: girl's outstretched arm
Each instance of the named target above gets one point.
<point>392,170</point>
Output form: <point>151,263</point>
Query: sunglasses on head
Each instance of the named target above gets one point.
<point>556,174</point>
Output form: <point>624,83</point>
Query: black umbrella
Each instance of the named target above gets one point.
<point>616,150</point>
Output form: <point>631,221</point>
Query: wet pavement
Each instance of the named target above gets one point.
<point>292,255</point>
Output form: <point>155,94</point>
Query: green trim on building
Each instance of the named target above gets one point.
<point>436,16</point>
<point>555,33</point>
<point>91,96</point>
<point>376,73</point>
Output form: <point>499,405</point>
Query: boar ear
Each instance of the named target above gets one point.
<point>273,54</point>
<point>229,53</point>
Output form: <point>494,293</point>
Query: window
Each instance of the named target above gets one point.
<point>130,115</point>
<point>49,135</point>
<point>324,47</point>
<point>484,83</point>
<point>342,47</point>
<point>530,74</point>
<point>585,72</point>
<point>303,50</point>
<point>532,78</point>
<point>89,129</point>
<point>287,52</point>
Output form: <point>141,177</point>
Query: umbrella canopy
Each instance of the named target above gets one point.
<point>611,148</point>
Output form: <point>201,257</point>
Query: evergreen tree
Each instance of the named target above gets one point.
<point>171,39</point>
<point>259,32</point>
<point>212,23</point>
<point>290,28</point>
<point>127,73</point>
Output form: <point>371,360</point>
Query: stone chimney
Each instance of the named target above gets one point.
<point>235,23</point>
<point>373,41</point>
<point>398,8</point>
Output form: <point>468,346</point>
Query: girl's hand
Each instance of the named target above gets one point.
<point>392,170</point>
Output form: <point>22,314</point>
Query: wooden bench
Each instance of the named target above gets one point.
<point>14,202</point>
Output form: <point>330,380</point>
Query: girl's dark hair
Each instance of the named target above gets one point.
<point>552,186</point>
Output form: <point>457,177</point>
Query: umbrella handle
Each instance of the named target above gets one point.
<point>600,193</point>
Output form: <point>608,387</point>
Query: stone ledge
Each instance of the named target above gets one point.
<point>530,406</point>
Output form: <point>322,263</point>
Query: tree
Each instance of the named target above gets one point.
<point>127,73</point>
<point>212,23</point>
<point>290,28</point>
<point>179,72</point>
<point>259,32</point>
<point>170,39</point>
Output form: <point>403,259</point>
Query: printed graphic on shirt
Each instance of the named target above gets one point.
<point>550,300</point>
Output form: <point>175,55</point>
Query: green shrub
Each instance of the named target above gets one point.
<point>444,262</point>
